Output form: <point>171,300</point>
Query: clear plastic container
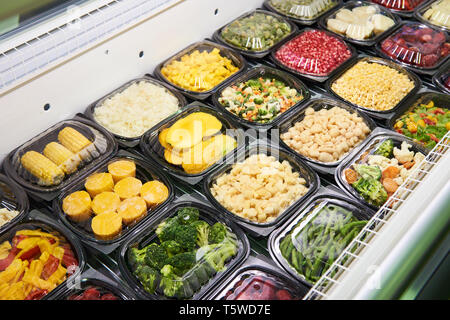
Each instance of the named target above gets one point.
<point>12,198</point>
<point>202,275</point>
<point>379,194</point>
<point>430,113</point>
<point>262,229</point>
<point>442,78</point>
<point>103,146</point>
<point>416,46</point>
<point>374,95</point>
<point>264,72</point>
<point>203,85</point>
<point>128,140</point>
<point>403,8</point>
<point>313,54</point>
<point>317,105</point>
<point>304,12</point>
<point>360,22</point>
<point>145,172</point>
<point>435,13</point>
<point>73,261</point>
<point>259,279</point>
<point>308,244</point>
<point>151,146</point>
<point>255,33</point>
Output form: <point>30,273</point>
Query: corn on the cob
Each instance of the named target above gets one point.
<point>63,157</point>
<point>73,140</point>
<point>42,168</point>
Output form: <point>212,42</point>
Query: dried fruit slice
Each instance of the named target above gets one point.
<point>105,202</point>
<point>77,206</point>
<point>128,187</point>
<point>106,226</point>
<point>132,209</point>
<point>122,169</point>
<point>98,183</point>
<point>154,192</point>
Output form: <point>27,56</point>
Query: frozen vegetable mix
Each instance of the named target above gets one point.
<point>259,100</point>
<point>257,32</point>
<point>187,253</point>
<point>311,247</point>
<point>438,13</point>
<point>426,123</point>
<point>313,52</point>
<point>33,263</point>
<point>303,9</point>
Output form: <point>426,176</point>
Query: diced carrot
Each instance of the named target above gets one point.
<point>390,185</point>
<point>350,175</point>
<point>390,172</point>
<point>408,165</point>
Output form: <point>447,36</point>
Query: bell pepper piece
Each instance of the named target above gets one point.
<point>50,267</point>
<point>30,253</point>
<point>36,294</point>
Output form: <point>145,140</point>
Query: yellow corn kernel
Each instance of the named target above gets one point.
<point>42,168</point>
<point>63,157</point>
<point>73,140</point>
<point>398,125</point>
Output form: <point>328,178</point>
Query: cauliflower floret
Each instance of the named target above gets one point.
<point>403,155</point>
<point>382,161</point>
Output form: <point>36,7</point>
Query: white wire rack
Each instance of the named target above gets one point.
<point>355,249</point>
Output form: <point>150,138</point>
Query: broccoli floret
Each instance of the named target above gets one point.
<point>166,230</point>
<point>182,262</point>
<point>219,253</point>
<point>136,257</point>
<point>172,247</point>
<point>187,215</point>
<point>385,149</point>
<point>148,277</point>
<point>186,237</point>
<point>371,190</point>
<point>156,256</point>
<point>217,233</point>
<point>202,232</point>
<point>172,285</point>
<point>368,172</point>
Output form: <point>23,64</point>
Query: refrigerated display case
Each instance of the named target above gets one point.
<point>55,67</point>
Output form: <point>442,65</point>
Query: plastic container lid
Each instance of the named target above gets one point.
<point>200,278</point>
<point>206,82</point>
<point>103,145</point>
<point>313,54</point>
<point>145,172</point>
<point>377,137</point>
<point>317,105</point>
<point>401,7</point>
<point>301,11</point>
<point>264,72</point>
<point>261,229</point>
<point>255,33</point>
<point>308,244</point>
<point>442,78</point>
<point>259,279</point>
<point>416,46</point>
<point>360,22</point>
<point>372,94</point>
<point>12,198</point>
<point>152,148</point>
<point>427,108</point>
<point>37,220</point>
<point>435,13</point>
<point>124,119</point>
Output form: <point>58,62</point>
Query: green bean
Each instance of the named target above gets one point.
<point>349,226</point>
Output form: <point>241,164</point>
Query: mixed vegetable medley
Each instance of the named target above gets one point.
<point>257,32</point>
<point>187,253</point>
<point>312,248</point>
<point>33,264</point>
<point>380,174</point>
<point>426,124</point>
<point>259,100</point>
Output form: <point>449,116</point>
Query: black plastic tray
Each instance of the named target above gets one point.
<point>324,194</point>
<point>147,235</point>
<point>421,9</point>
<point>235,57</point>
<point>377,136</point>
<point>380,115</point>
<point>36,219</point>
<point>402,13</point>
<point>12,162</point>
<point>12,197</point>
<point>152,148</point>
<point>263,229</point>
<point>353,4</point>
<point>217,36</point>
<point>261,71</point>
<point>298,20</point>
<point>145,171</point>
<point>318,104</point>
<point>133,141</point>
<point>260,264</point>
<point>311,76</point>
<point>440,76</point>
<point>430,71</point>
